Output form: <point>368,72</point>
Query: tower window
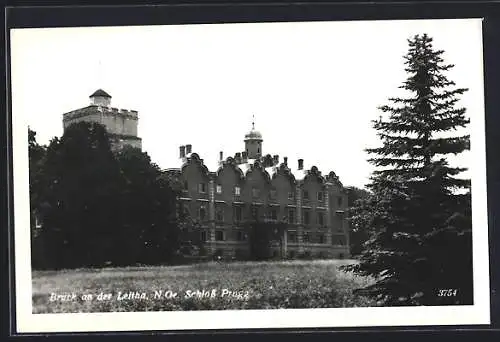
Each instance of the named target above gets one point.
<point>291,195</point>
<point>306,194</point>
<point>237,190</point>
<point>203,236</point>
<point>258,150</point>
<point>339,201</point>
<point>219,189</point>
<point>185,185</point>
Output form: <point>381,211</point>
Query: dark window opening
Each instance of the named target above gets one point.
<point>202,187</point>
<point>220,215</point>
<point>305,238</point>
<point>241,236</point>
<point>202,213</point>
<point>320,196</point>
<point>291,215</point>
<point>306,217</point>
<point>321,219</point>
<point>237,213</point>
<point>219,235</point>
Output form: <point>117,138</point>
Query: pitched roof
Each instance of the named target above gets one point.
<point>100,92</point>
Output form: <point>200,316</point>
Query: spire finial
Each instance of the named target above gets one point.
<point>99,72</point>
<point>253,121</point>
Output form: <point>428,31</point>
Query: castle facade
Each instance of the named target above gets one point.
<point>246,187</point>
<point>253,186</point>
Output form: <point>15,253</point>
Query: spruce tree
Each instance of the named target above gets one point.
<point>419,218</point>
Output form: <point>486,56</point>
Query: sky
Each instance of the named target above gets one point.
<point>313,87</point>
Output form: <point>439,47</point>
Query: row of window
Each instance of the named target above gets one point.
<point>202,189</point>
<point>292,237</point>
<point>271,214</point>
<point>306,237</point>
<point>221,236</point>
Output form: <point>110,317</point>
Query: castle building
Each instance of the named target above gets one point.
<point>248,186</point>
<point>251,185</point>
<point>121,124</point>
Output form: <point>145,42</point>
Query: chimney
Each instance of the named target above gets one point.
<point>188,148</point>
<point>276,159</point>
<point>244,156</point>
<point>285,161</point>
<point>182,151</point>
<point>221,156</point>
<point>301,164</point>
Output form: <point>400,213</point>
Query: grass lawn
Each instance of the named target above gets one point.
<point>209,286</point>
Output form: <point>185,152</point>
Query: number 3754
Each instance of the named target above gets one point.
<point>447,292</point>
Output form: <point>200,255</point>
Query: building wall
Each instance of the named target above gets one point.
<point>253,148</point>
<point>89,117</point>
<point>225,236</point>
<point>121,124</point>
<point>118,123</point>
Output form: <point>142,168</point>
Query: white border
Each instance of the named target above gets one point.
<point>479,313</point>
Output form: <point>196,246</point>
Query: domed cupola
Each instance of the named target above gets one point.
<point>253,135</point>
<point>253,143</point>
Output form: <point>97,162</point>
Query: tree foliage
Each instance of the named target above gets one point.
<point>263,235</point>
<point>418,215</point>
<point>358,235</point>
<point>98,207</point>
<point>37,154</point>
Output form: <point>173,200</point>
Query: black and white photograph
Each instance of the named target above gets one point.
<point>250,175</point>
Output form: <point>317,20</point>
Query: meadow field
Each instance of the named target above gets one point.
<point>207,286</point>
